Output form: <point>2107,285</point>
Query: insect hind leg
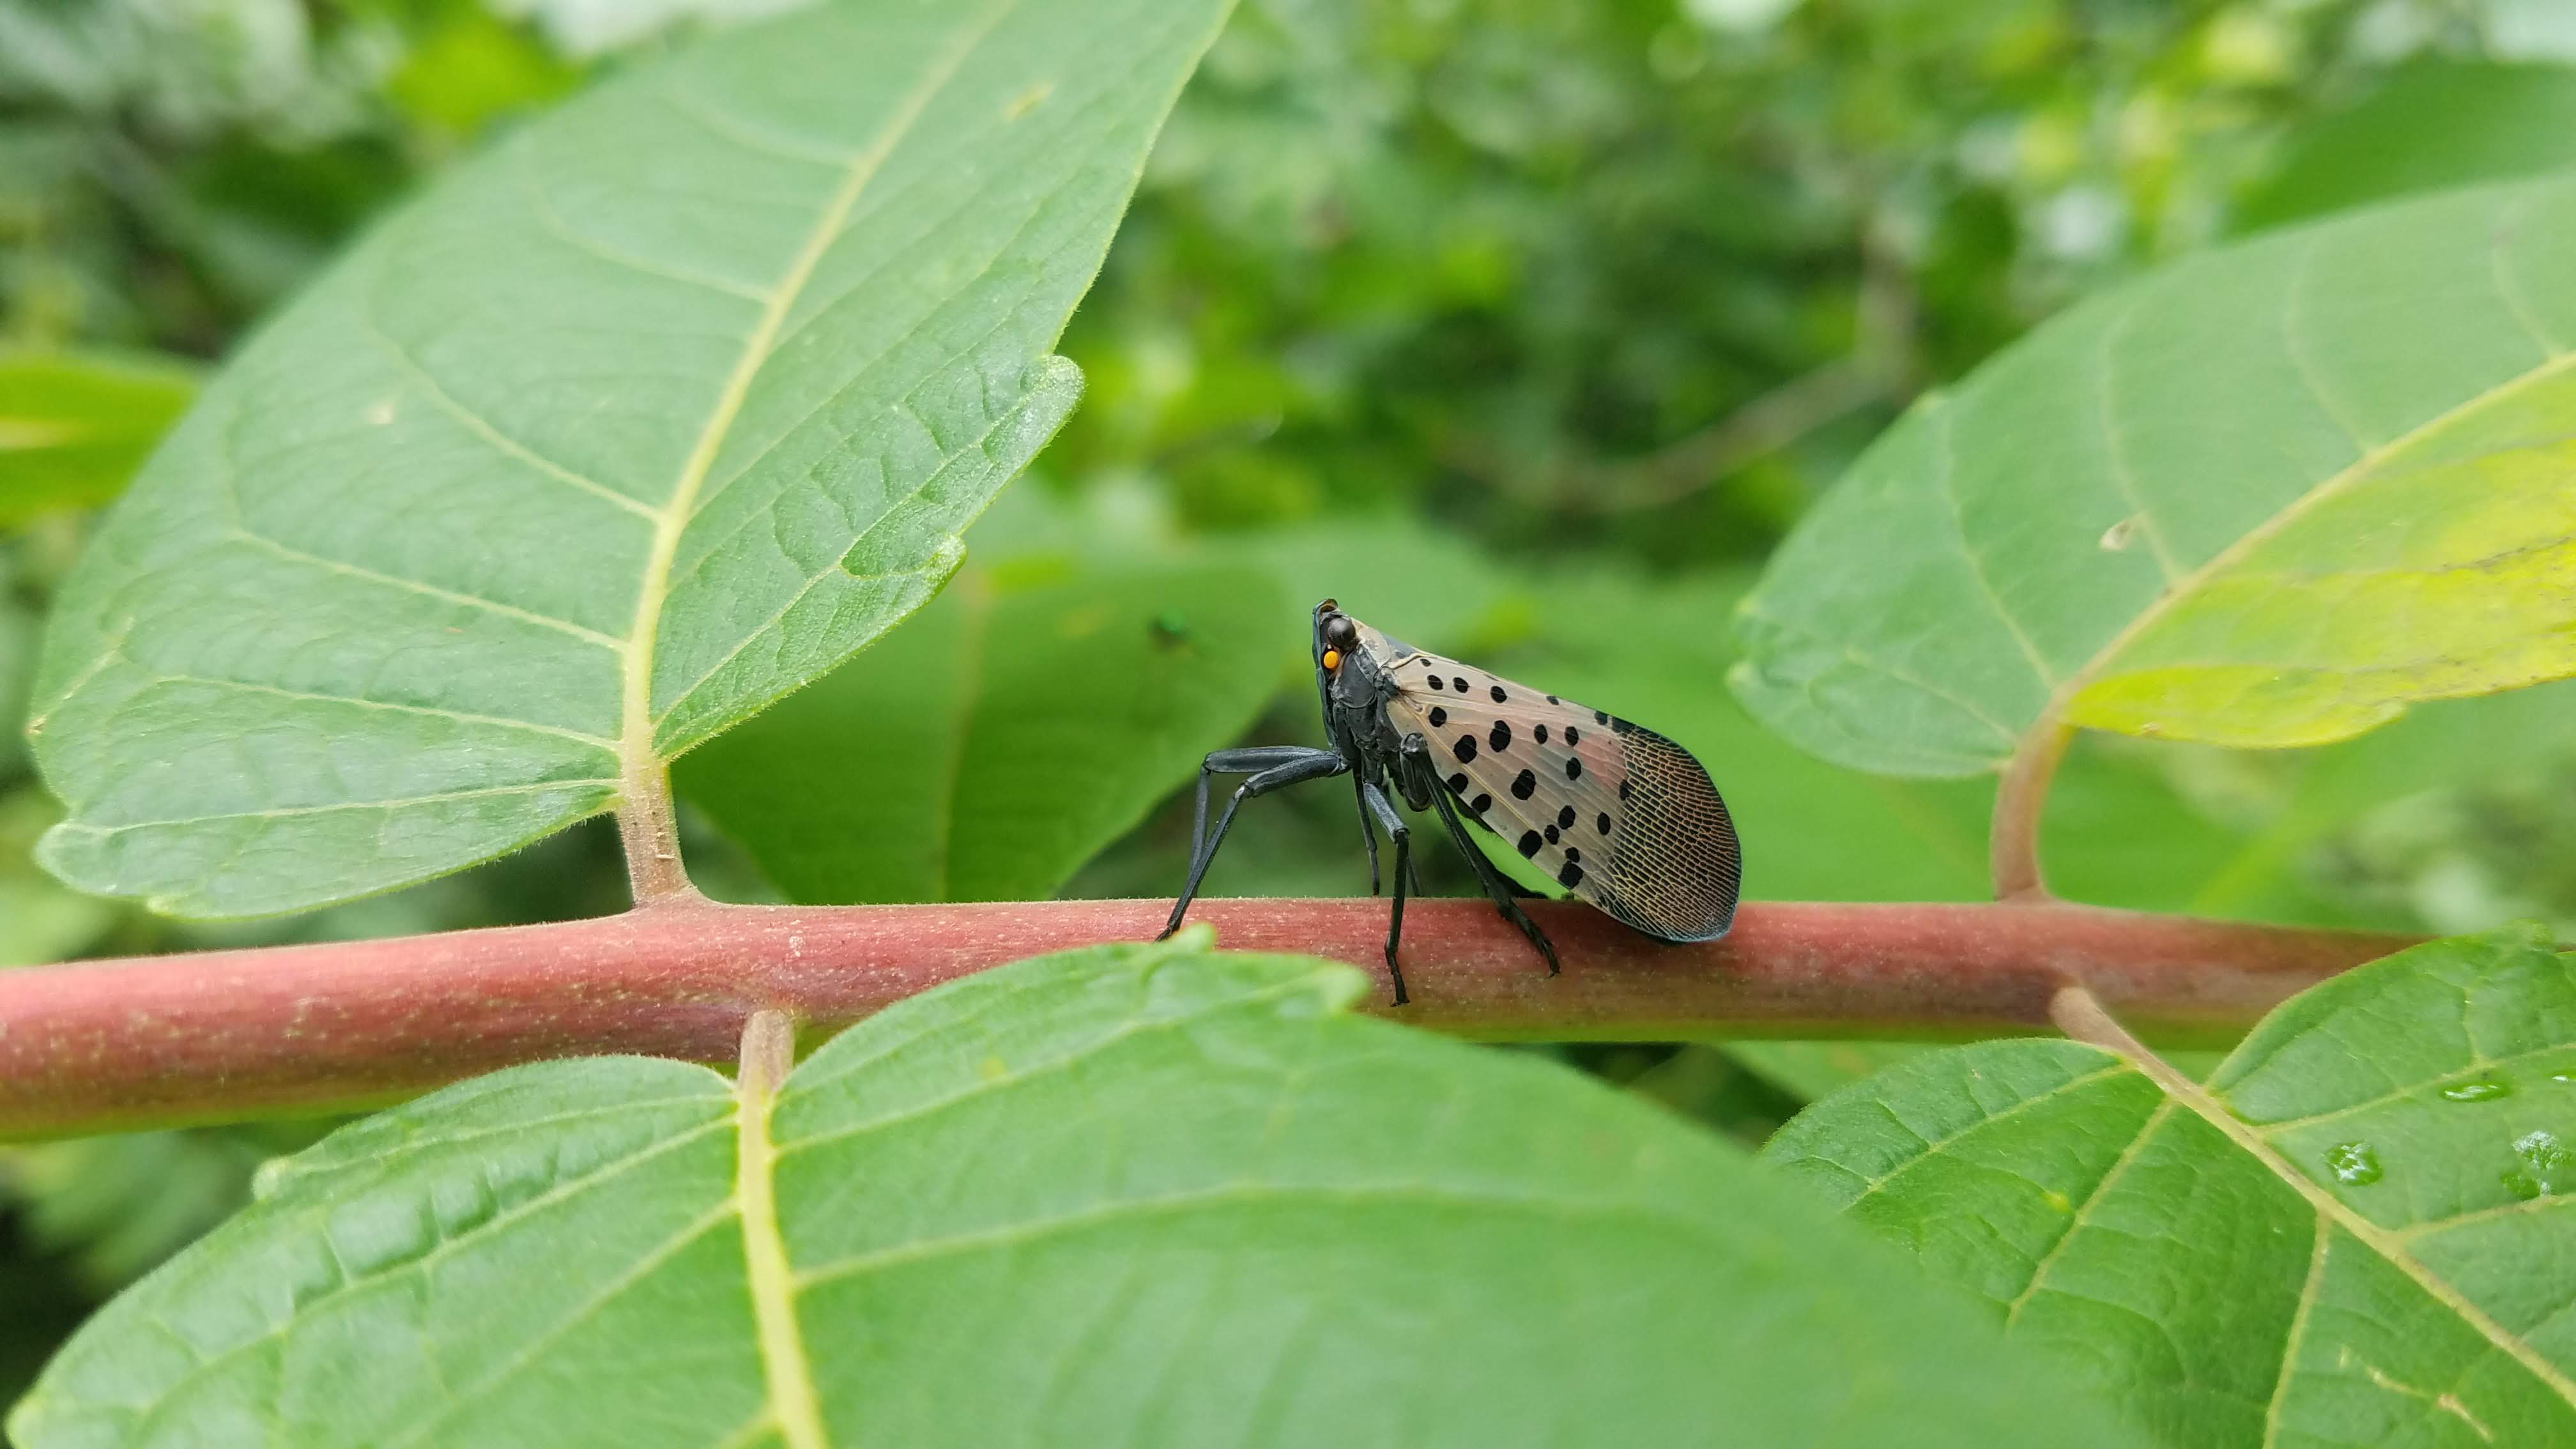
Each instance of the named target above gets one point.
<point>1497,885</point>
<point>1361,785</point>
<point>1397,831</point>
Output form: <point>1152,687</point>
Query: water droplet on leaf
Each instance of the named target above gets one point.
<point>2552,1164</point>
<point>2478,1089</point>
<point>2354,1163</point>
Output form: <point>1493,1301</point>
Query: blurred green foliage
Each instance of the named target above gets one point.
<point>1525,326</point>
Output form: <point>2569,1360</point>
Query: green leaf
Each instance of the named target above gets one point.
<point>2267,496</point>
<point>656,412</point>
<point>2355,1235</point>
<point>1001,736</point>
<point>1132,1195</point>
<point>75,425</point>
<point>2434,123</point>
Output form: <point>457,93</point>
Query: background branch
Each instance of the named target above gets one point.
<point>226,1034</point>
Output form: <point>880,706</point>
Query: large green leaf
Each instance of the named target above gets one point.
<point>1001,736</point>
<point>75,426</point>
<point>653,414</point>
<point>2267,496</point>
<point>1132,1195</point>
<point>2359,1233</point>
<point>2435,123</point>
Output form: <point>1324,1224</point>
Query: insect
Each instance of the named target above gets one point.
<point>1618,814</point>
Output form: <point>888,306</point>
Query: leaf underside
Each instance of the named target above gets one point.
<point>2267,496</point>
<point>1132,1195</point>
<point>656,412</point>
<point>2362,1237</point>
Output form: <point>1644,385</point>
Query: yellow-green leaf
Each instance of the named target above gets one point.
<point>2270,495</point>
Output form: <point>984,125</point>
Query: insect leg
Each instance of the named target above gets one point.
<point>1367,834</point>
<point>1250,760</point>
<point>1497,885</point>
<point>1397,831</point>
<point>1280,765</point>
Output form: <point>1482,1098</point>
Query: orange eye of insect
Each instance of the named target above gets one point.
<point>1332,660</point>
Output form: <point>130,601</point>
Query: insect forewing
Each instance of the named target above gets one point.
<point>1615,812</point>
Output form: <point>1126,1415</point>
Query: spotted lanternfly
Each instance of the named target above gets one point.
<point>1619,815</point>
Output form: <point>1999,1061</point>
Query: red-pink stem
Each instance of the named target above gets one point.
<point>225,1034</point>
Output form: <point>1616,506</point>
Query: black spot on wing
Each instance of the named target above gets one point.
<point>1603,824</point>
<point>1529,843</point>
<point>1524,785</point>
<point>1565,817</point>
<point>1482,804</point>
<point>1438,716</point>
<point>1551,835</point>
<point>1499,738</point>
<point>1458,784</point>
<point>1497,692</point>
<point>1436,684</point>
<point>1458,684</point>
<point>1465,749</point>
<point>1571,876</point>
<point>1539,733</point>
<point>1574,767</point>
<point>1573,736</point>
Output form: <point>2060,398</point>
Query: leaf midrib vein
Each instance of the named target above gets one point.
<point>781,1340</point>
<point>636,734</point>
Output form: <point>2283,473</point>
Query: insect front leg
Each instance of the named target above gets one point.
<point>1250,760</point>
<point>1271,767</point>
<point>1396,830</point>
<point>1497,885</point>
